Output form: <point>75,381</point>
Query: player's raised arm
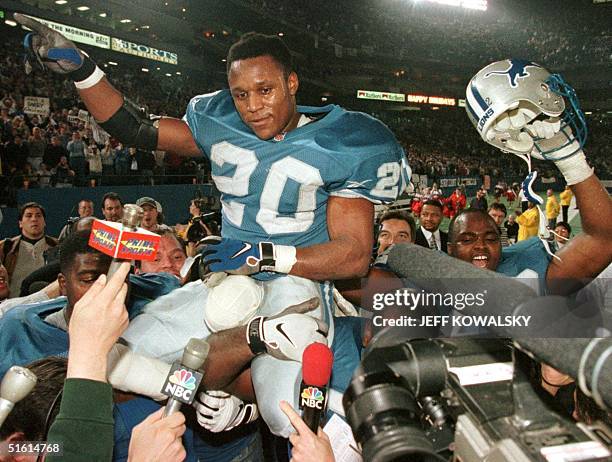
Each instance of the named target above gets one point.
<point>116,114</point>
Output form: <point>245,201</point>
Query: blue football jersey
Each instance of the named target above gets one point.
<point>277,190</point>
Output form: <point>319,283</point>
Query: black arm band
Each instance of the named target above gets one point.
<point>255,334</point>
<point>132,127</point>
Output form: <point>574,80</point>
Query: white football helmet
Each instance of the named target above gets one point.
<point>233,302</point>
<point>505,96</point>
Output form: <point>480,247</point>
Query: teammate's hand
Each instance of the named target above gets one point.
<point>231,256</point>
<point>218,411</point>
<point>287,334</point>
<point>307,447</point>
<point>158,439</point>
<point>48,48</point>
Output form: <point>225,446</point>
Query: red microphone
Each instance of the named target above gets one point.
<point>317,361</point>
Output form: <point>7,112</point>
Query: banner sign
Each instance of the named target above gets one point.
<point>36,105</point>
<point>144,51</point>
<point>77,35</point>
<point>454,181</point>
<point>436,100</point>
<point>381,96</point>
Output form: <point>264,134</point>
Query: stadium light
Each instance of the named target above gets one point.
<point>125,21</point>
<point>10,22</point>
<point>168,75</point>
<point>82,8</point>
<point>144,69</point>
<point>61,2</point>
<point>102,15</point>
<point>468,4</point>
<point>112,63</point>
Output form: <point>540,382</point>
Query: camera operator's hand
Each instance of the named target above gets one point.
<point>307,447</point>
<point>287,334</point>
<point>234,256</point>
<point>158,439</point>
<point>97,321</point>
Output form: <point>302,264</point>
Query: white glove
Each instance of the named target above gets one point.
<point>218,411</point>
<point>570,159</point>
<point>287,334</point>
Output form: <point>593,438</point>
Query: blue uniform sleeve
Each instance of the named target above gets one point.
<point>197,117</point>
<point>529,254</point>
<point>371,163</point>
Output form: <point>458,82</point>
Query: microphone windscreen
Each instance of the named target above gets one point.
<point>317,361</point>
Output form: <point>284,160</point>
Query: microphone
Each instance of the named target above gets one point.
<point>183,380</point>
<point>124,240</point>
<point>317,361</point>
<point>17,383</point>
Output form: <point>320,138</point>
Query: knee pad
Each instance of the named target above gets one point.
<point>232,303</point>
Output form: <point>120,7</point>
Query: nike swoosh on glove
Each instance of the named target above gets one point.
<point>287,334</point>
<point>229,255</point>
<point>218,411</point>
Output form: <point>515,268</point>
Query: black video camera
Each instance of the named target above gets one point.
<point>461,399</point>
<point>196,232</point>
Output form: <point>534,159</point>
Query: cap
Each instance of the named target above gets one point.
<point>149,201</point>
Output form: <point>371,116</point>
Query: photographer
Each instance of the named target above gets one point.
<point>85,208</point>
<point>200,224</point>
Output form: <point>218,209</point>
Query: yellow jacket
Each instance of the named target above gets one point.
<point>552,207</point>
<point>528,224</point>
<point>566,197</point>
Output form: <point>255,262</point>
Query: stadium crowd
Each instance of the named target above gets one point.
<point>57,299</point>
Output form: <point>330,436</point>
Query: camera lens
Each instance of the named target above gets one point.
<point>385,419</point>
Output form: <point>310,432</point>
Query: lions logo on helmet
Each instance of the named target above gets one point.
<point>505,96</point>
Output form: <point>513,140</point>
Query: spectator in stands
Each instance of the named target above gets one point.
<point>395,226</point>
<point>429,234</point>
<point>94,159</point>
<point>16,152</point>
<point>54,152</point>
<point>552,208</point>
<point>62,176</point>
<point>24,253</point>
<point>44,175</point>
<point>566,199</point>
<point>497,211</point>
<point>153,213</point>
<point>480,201</point>
<point>528,223</point>
<point>108,159</point>
<point>36,147</point>
<point>112,207</point>
<point>77,156</point>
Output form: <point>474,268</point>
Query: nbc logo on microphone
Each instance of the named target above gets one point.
<point>312,397</point>
<point>181,384</point>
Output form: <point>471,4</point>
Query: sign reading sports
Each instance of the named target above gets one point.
<point>144,51</point>
<point>381,96</point>
<point>77,35</point>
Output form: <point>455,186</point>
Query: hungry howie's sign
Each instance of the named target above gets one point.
<point>77,35</point>
<point>144,51</point>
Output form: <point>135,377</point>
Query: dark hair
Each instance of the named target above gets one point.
<point>435,203</point>
<point>499,206</point>
<point>31,205</point>
<point>112,196</point>
<point>75,244</point>
<point>399,215</point>
<point>565,225</point>
<point>253,45</point>
<point>484,215</point>
<point>29,415</point>
<point>84,200</point>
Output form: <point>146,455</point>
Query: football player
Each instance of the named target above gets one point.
<point>298,183</point>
